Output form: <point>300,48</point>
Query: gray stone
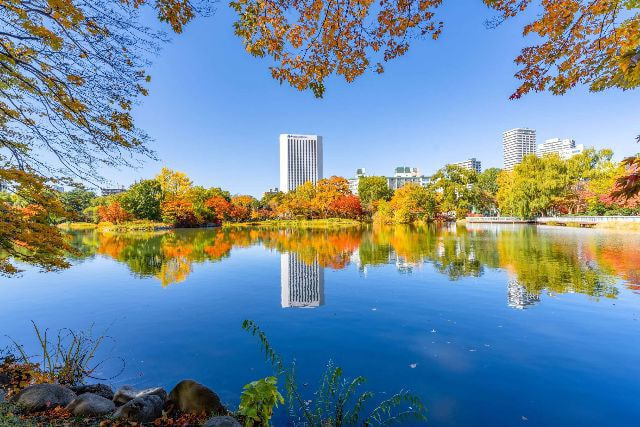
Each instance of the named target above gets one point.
<point>2,394</point>
<point>142,409</point>
<point>100,389</point>
<point>189,396</point>
<point>91,405</point>
<point>127,393</point>
<point>40,397</point>
<point>225,421</point>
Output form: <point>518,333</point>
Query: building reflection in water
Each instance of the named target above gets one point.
<point>518,296</point>
<point>302,284</point>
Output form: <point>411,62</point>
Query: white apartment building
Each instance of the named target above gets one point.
<point>517,143</point>
<point>301,284</point>
<point>471,164</point>
<point>565,148</point>
<point>404,175</point>
<point>300,160</point>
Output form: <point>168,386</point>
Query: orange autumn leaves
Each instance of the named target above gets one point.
<point>310,40</point>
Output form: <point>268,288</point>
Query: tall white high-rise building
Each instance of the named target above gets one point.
<point>472,164</point>
<point>565,148</point>
<point>301,284</point>
<point>517,143</point>
<point>300,160</point>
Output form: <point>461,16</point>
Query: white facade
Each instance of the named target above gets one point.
<point>565,148</point>
<point>407,175</point>
<point>301,284</point>
<point>471,164</point>
<point>517,143</point>
<point>300,160</point>
<point>354,182</point>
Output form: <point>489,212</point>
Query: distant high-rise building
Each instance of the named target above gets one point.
<point>565,148</point>
<point>472,164</point>
<point>301,284</point>
<point>517,143</point>
<point>300,160</point>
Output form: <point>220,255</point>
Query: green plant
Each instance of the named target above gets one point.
<point>337,401</point>
<point>258,400</point>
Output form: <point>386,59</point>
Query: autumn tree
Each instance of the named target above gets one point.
<point>178,212</point>
<point>70,74</point>
<point>241,207</point>
<point>219,208</point>
<point>409,203</point>
<point>329,190</point>
<point>174,184</point>
<point>113,212</point>
<point>347,206</point>
<point>26,231</point>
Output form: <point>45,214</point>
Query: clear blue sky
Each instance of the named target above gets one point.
<point>215,113</point>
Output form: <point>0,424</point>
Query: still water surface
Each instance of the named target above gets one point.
<point>490,325</point>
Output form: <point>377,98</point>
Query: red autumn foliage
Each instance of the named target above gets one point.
<point>346,206</point>
<point>219,207</point>
<point>113,213</point>
<point>179,212</point>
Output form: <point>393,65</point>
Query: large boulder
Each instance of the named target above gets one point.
<point>142,409</point>
<point>40,397</point>
<point>91,405</point>
<point>189,396</point>
<point>225,421</point>
<point>127,393</point>
<point>103,390</point>
<point>2,394</point>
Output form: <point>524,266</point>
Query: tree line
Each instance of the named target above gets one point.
<point>539,186</point>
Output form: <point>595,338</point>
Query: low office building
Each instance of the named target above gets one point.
<point>407,175</point>
<point>565,148</point>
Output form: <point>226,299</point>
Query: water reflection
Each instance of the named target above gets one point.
<point>538,261</point>
<point>302,283</point>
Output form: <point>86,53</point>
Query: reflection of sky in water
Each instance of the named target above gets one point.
<point>439,312</point>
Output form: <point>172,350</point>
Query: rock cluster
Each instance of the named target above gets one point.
<point>127,403</point>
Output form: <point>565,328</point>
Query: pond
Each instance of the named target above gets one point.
<point>489,325</point>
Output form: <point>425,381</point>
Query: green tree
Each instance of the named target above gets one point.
<point>454,184</point>
<point>486,189</point>
<point>76,201</point>
<point>142,200</point>
<point>373,188</point>
<point>533,187</point>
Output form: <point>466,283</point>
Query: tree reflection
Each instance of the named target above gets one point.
<point>536,260</point>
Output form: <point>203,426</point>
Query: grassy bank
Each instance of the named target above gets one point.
<point>124,227</point>
<point>316,224</point>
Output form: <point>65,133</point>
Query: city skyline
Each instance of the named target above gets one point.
<point>425,110</point>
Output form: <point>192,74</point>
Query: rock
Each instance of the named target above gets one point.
<point>100,389</point>
<point>91,405</point>
<point>127,393</point>
<point>142,409</point>
<point>189,396</point>
<point>43,396</point>
<point>225,421</point>
<point>2,394</point>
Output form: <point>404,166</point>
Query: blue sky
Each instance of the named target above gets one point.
<point>215,113</point>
